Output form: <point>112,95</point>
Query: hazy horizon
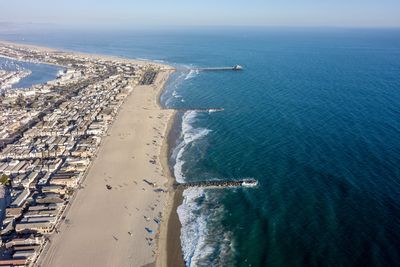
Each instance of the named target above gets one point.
<point>175,13</point>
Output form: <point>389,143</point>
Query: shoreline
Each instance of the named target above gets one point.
<point>167,250</point>
<point>66,243</point>
<point>174,247</point>
<point>169,243</point>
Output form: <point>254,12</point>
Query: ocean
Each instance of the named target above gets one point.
<point>314,117</point>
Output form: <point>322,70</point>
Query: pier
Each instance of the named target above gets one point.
<point>200,109</point>
<point>218,184</point>
<point>235,68</point>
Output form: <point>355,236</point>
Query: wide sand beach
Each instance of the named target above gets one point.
<point>119,227</point>
<point>135,222</point>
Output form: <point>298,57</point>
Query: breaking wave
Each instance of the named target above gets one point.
<point>191,74</point>
<point>200,246</point>
<point>198,213</point>
<point>189,134</point>
<point>200,210</point>
<point>176,95</point>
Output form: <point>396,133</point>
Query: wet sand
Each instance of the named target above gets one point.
<point>174,250</point>
<point>169,243</point>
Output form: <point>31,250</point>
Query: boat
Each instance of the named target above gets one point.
<point>249,183</point>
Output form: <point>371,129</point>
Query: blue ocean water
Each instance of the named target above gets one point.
<point>315,117</point>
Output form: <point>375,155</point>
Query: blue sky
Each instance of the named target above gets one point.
<point>342,13</point>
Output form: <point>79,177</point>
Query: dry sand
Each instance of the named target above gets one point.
<point>107,227</point>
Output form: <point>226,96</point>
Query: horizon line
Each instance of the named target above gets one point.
<point>117,26</point>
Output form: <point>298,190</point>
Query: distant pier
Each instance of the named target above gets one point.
<point>235,68</point>
<point>218,184</point>
<point>200,109</point>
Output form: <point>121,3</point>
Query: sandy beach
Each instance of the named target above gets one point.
<point>118,227</point>
<point>134,223</point>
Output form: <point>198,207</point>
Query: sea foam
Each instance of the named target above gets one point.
<point>192,74</point>
<point>201,247</point>
<point>189,135</point>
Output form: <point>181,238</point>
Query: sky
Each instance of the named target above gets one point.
<point>315,13</point>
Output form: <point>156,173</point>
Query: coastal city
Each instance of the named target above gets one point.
<point>199,133</point>
<point>49,135</point>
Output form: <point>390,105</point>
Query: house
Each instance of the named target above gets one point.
<point>20,198</point>
<point>69,179</point>
<point>37,227</point>
<point>59,189</point>
<point>41,225</point>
